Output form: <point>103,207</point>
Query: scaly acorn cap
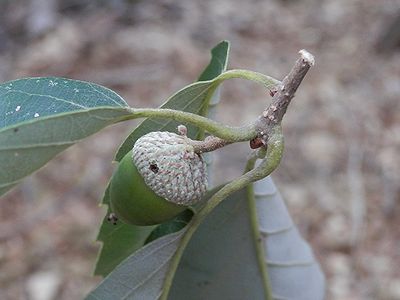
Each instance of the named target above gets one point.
<point>170,167</point>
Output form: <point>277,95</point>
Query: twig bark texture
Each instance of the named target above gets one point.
<point>273,115</point>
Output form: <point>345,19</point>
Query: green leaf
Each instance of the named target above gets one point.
<point>218,63</point>
<point>245,237</point>
<point>179,222</point>
<point>217,66</point>
<point>292,269</point>
<point>221,260</point>
<point>119,240</point>
<point>249,248</point>
<point>207,269</point>
<point>140,276</point>
<point>192,98</point>
<point>43,116</point>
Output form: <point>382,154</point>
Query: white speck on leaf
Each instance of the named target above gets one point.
<point>16,154</point>
<point>52,83</point>
<point>36,115</point>
<point>18,108</point>
<point>76,90</point>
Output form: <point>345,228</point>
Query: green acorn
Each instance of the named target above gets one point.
<point>157,179</point>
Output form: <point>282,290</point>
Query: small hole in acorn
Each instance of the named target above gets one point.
<point>154,168</point>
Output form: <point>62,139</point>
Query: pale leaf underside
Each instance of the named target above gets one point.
<point>292,269</point>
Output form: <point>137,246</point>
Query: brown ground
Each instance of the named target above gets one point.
<point>341,170</point>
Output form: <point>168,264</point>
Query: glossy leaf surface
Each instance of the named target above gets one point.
<point>40,117</point>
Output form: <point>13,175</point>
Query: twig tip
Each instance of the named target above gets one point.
<point>307,57</point>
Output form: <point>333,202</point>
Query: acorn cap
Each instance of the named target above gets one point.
<point>170,167</point>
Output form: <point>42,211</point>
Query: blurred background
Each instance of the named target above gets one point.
<point>340,173</point>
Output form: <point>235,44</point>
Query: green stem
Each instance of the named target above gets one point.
<point>228,133</point>
<point>268,164</point>
<point>260,251</point>
<point>267,81</point>
<point>206,110</point>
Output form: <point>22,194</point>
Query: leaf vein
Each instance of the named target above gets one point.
<point>107,96</point>
<point>52,97</point>
<point>289,263</point>
<point>39,145</point>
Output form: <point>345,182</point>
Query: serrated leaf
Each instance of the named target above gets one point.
<point>142,274</point>
<point>121,240</point>
<point>193,99</point>
<point>40,117</point>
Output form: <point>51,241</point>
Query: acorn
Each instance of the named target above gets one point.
<point>159,178</point>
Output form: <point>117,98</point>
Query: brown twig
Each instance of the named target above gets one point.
<point>211,143</point>
<point>273,115</point>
